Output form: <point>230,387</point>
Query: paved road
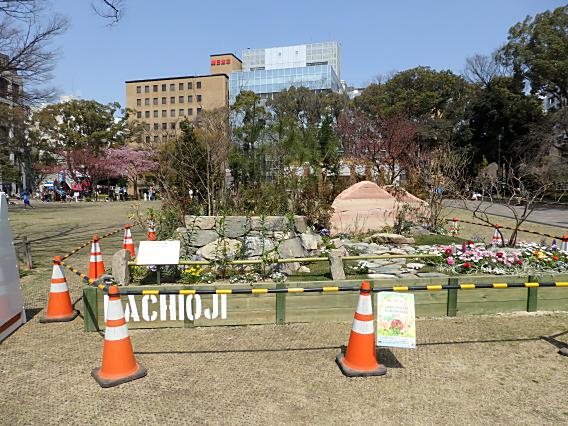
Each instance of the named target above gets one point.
<point>544,215</point>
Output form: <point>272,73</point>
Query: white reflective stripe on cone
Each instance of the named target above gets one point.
<point>114,310</point>
<point>57,272</point>
<point>58,288</point>
<point>364,305</point>
<point>116,333</point>
<point>93,258</point>
<point>362,327</point>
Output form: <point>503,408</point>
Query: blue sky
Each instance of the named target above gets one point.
<point>159,38</point>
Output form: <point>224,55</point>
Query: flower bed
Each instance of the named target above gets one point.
<point>477,258</point>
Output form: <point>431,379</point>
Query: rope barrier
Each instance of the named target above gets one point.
<point>108,234</point>
<point>542,234</point>
<point>84,277</point>
<point>335,289</point>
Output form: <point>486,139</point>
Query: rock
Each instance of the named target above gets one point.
<point>291,248</point>
<point>257,246</point>
<point>201,222</point>
<point>290,268</point>
<point>388,269</point>
<point>200,238</point>
<point>415,265</point>
<point>397,252</point>
<point>390,238</point>
<point>235,226</point>
<point>181,230</point>
<point>363,248</point>
<point>430,274</point>
<point>281,235</point>
<point>336,265</point>
<point>337,242</point>
<point>418,230</point>
<point>220,248</point>
<point>381,276</point>
<point>271,223</point>
<point>310,241</point>
<point>119,267</point>
<point>300,224</point>
<point>304,269</point>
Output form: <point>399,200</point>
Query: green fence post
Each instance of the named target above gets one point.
<point>452,305</point>
<point>90,309</point>
<point>532,296</point>
<point>280,305</point>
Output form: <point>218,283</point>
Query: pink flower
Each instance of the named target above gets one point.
<point>450,260</point>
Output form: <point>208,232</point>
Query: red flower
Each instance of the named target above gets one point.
<point>448,251</point>
<point>499,254</point>
<point>470,243</point>
<point>555,258</point>
<point>519,261</point>
<point>467,265</point>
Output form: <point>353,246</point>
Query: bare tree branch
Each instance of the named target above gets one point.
<point>109,9</point>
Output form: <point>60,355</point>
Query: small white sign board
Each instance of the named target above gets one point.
<point>396,320</point>
<point>158,253</point>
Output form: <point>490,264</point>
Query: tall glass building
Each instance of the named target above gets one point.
<point>269,71</point>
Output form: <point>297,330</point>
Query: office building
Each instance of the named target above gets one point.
<point>271,70</point>
<point>161,104</point>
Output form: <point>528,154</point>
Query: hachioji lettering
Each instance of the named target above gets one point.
<point>171,307</point>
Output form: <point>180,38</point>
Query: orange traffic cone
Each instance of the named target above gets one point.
<point>151,236</point>
<point>59,307</point>
<point>496,240</point>
<point>564,243</point>
<point>96,265</point>
<point>128,243</point>
<point>360,358</point>
<point>119,365</point>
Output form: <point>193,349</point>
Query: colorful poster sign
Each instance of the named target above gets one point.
<point>396,321</point>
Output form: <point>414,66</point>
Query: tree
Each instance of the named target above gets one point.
<point>79,131</point>
<point>25,49</point>
<point>129,163</point>
<point>538,48</point>
<point>387,142</point>
<point>480,70</point>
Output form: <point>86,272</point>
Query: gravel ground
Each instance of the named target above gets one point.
<point>474,370</point>
<point>502,369</point>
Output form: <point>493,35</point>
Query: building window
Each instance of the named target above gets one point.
<point>156,126</point>
<point>164,113</point>
<point>172,112</point>
<point>190,111</point>
<point>146,89</point>
<point>147,101</point>
<point>172,99</point>
<point>155,101</point>
<point>163,87</point>
<point>198,85</point>
<point>198,111</point>
<point>164,99</point>
<point>189,85</point>
<point>147,114</point>
<point>198,98</point>
<point>138,114</point>
<point>147,139</point>
<point>172,87</point>
<point>190,99</point>
<point>182,112</point>
<point>165,126</point>
<point>138,102</point>
<point>172,125</point>
<point>180,86</point>
<point>155,113</point>
<point>181,99</point>
<point>155,88</point>
<point>165,138</point>
<point>138,89</point>
<point>155,139</point>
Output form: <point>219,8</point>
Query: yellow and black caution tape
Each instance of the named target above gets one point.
<point>108,234</point>
<point>542,234</point>
<point>84,277</point>
<point>293,290</point>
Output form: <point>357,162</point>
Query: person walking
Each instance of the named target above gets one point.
<point>26,198</point>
